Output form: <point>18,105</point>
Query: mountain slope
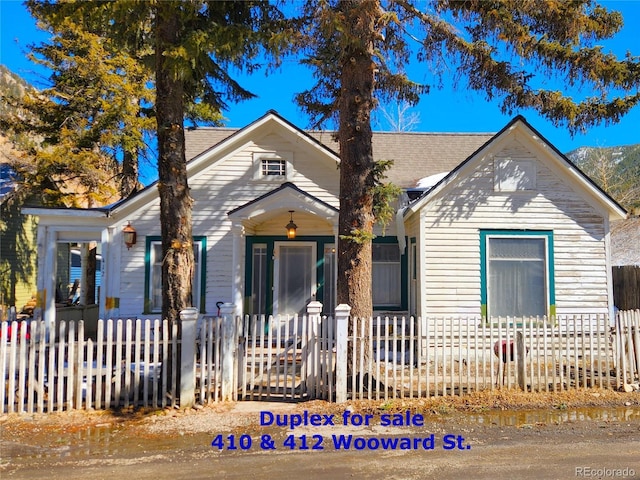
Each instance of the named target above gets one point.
<point>615,169</point>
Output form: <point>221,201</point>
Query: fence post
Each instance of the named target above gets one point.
<point>188,320</point>
<point>228,346</point>
<point>342,322</point>
<point>314,311</point>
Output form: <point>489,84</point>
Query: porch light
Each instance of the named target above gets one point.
<point>291,227</point>
<point>129,235</point>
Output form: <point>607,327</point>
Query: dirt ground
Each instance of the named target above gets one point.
<point>584,434</point>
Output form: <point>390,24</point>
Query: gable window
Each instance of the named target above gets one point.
<point>514,175</point>
<point>386,275</point>
<point>153,280</point>
<point>517,273</point>
<point>272,166</point>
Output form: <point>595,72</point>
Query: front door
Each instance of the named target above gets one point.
<point>294,277</point>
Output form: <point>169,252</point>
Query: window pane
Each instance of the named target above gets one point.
<point>516,248</point>
<point>517,277</point>
<point>386,283</point>
<point>386,252</point>
<point>156,276</point>
<point>155,282</point>
<point>273,166</point>
<point>259,280</point>
<point>296,278</point>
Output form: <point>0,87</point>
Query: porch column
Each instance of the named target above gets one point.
<point>237,280</point>
<point>47,259</point>
<point>106,307</point>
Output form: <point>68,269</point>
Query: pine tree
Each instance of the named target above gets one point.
<point>359,51</point>
<point>89,117</point>
<point>191,46</point>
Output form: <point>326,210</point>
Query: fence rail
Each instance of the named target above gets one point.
<point>136,362</point>
<point>400,357</point>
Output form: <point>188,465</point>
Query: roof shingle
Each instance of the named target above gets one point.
<point>415,155</point>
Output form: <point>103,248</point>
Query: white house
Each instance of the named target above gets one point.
<point>507,226</point>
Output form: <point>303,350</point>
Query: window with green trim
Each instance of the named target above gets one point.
<point>386,275</point>
<point>517,273</point>
<point>153,280</point>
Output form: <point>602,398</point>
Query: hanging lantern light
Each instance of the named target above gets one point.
<point>129,235</point>
<point>291,227</point>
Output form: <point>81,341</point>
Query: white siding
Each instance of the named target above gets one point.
<point>216,190</point>
<point>452,222</point>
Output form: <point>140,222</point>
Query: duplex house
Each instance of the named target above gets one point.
<point>489,225</point>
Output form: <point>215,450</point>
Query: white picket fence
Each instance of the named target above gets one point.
<point>401,358</point>
<point>127,365</point>
<point>135,363</point>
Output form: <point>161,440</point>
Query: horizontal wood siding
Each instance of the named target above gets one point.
<point>216,190</point>
<point>452,241</point>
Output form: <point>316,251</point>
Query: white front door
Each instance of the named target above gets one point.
<point>294,284</point>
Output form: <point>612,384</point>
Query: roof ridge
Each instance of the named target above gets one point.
<point>374,132</point>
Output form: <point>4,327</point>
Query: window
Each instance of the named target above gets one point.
<point>517,273</point>
<point>259,279</point>
<point>514,176</point>
<point>272,166</point>
<point>153,297</point>
<point>387,272</point>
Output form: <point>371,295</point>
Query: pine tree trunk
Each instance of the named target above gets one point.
<point>175,200</point>
<point>356,166</point>
<point>129,175</point>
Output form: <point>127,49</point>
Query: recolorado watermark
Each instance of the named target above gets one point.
<point>597,472</point>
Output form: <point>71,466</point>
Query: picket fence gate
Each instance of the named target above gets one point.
<point>137,363</point>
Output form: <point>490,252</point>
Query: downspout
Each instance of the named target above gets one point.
<point>400,230</point>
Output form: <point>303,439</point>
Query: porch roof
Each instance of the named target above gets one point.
<point>282,199</point>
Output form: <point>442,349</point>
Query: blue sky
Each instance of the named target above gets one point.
<point>443,110</point>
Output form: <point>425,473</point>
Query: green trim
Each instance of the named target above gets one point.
<point>404,278</point>
<point>270,241</point>
<point>320,241</point>
<point>548,234</point>
<point>202,240</point>
<point>203,271</point>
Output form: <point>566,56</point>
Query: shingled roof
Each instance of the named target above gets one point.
<point>415,155</point>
